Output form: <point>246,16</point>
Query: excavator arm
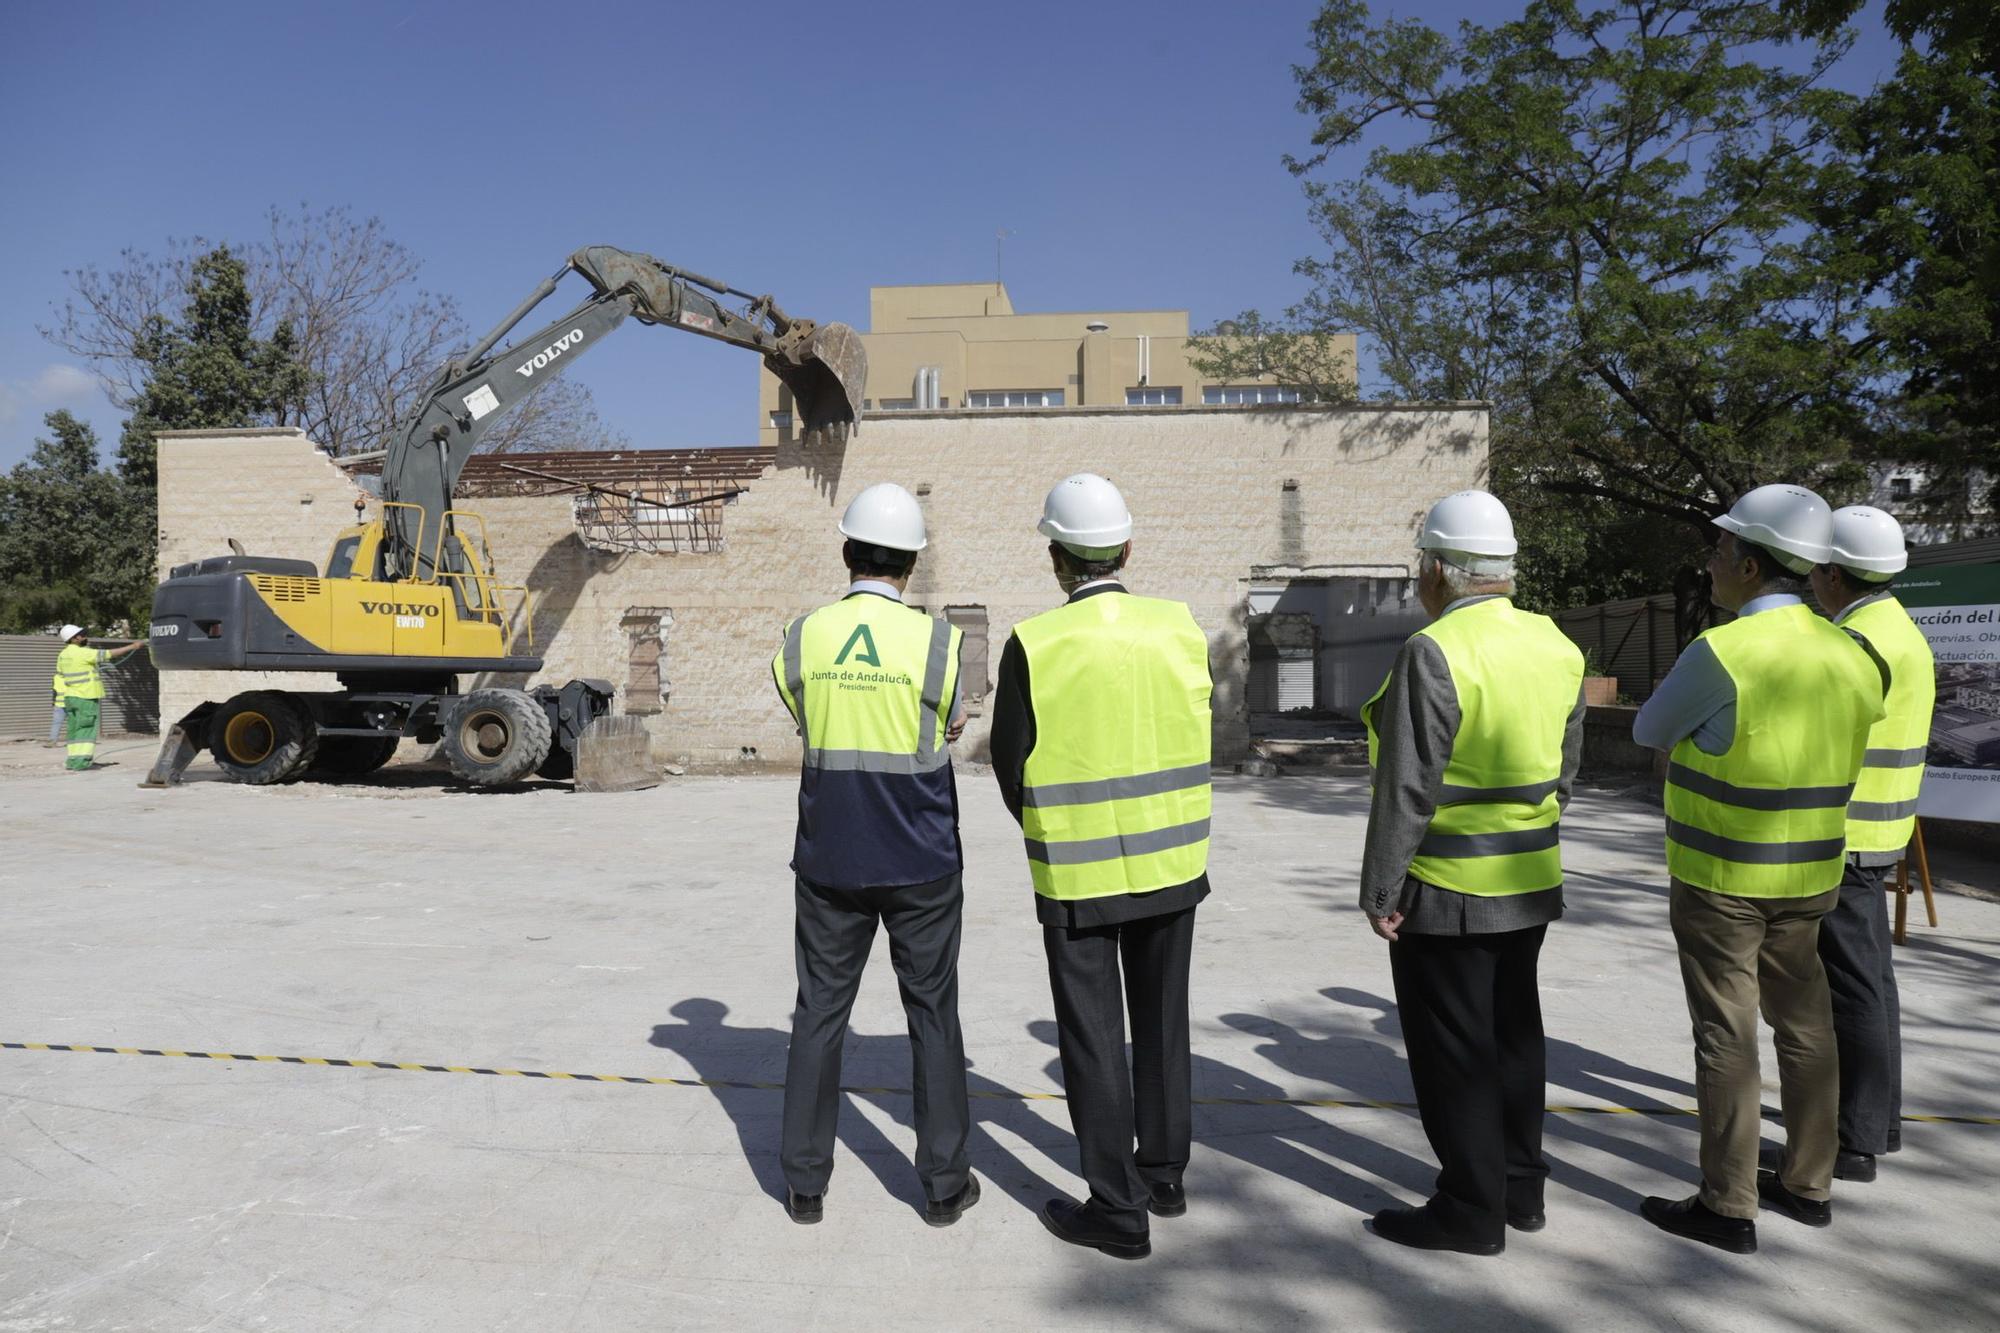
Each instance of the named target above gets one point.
<point>823,365</point>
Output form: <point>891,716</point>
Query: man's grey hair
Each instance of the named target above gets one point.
<point>1468,575</point>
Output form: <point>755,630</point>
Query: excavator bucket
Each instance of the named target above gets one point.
<point>827,372</point>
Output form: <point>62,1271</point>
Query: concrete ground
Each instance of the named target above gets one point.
<point>648,934</point>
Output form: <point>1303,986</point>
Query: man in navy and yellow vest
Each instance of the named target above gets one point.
<point>873,687</point>
<point>79,681</point>
<point>1767,720</point>
<point>1854,938</point>
<point>1101,747</point>
<point>1473,741</point>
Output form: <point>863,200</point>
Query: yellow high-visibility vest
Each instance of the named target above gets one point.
<point>1115,794</point>
<point>80,670</point>
<point>1883,813</point>
<point>866,679</point>
<point>1767,818</point>
<point>1494,831</point>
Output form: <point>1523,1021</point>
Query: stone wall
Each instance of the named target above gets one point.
<point>1208,489</point>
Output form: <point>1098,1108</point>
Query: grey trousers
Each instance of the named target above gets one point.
<point>835,929</point>
<point>1855,946</point>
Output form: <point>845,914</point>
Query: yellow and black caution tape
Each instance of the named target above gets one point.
<point>991,1094</point>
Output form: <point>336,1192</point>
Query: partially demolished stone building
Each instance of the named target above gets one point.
<point>670,573</point>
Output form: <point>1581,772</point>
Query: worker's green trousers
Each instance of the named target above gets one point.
<point>82,731</point>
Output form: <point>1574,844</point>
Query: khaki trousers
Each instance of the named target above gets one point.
<point>1739,955</point>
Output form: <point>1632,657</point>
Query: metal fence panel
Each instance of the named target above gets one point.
<point>1632,639</point>
<point>131,688</point>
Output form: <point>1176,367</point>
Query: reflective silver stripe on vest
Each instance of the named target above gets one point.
<point>1533,793</point>
<point>1458,845</point>
<point>875,761</point>
<point>928,758</point>
<point>1754,853</point>
<point>933,697</point>
<point>1882,810</point>
<point>795,674</point>
<point>1117,846</point>
<point>1894,758</point>
<point>1115,789</point>
<point>1757,798</point>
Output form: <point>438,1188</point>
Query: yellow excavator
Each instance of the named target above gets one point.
<point>408,602</point>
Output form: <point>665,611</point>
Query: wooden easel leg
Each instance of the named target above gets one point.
<point>1924,873</point>
<point>1901,888</point>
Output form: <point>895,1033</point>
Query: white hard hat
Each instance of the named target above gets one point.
<point>1789,521</point>
<point>70,632</point>
<point>1473,530</point>
<point>1086,514</point>
<point>886,515</point>
<point>1869,543</point>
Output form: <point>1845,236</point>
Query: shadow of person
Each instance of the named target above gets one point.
<point>1235,1113</point>
<point>745,1067</point>
<point>1569,1065</point>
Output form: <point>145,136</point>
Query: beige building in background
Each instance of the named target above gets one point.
<point>1289,531</point>
<point>962,347</point>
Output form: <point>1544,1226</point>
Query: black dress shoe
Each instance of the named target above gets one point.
<point>1858,1167</point>
<point>1419,1229</point>
<point>1693,1219</point>
<point>943,1212</point>
<point>1168,1198</point>
<point>1079,1225</point>
<point>805,1209</point>
<point>1523,1220</point>
<point>1795,1206</point>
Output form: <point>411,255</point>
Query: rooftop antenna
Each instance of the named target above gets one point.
<point>999,240</point>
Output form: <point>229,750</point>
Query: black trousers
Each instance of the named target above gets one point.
<point>834,933</point>
<point>1472,1020</point>
<point>1855,946</point>
<point>1109,1104</point>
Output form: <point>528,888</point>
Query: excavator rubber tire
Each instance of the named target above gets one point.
<point>352,756</point>
<point>496,736</point>
<point>262,737</point>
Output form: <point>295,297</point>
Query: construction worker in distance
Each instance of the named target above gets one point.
<point>873,686</point>
<point>1473,741</point>
<point>1854,937</point>
<point>1767,718</point>
<point>1101,748</point>
<point>81,671</point>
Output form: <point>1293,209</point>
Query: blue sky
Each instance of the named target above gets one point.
<point>1132,150</point>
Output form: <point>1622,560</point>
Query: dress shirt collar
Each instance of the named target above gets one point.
<point>1769,601</point>
<point>1860,602</point>
<point>876,586</point>
<point>1095,586</point>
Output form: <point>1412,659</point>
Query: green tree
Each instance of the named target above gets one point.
<point>74,538</point>
<point>208,370</point>
<point>1602,221</point>
<point>369,333</point>
<point>1914,200</point>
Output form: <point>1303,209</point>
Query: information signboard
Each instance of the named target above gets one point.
<point>1958,609</point>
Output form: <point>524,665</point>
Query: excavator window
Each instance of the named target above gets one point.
<point>340,565</point>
